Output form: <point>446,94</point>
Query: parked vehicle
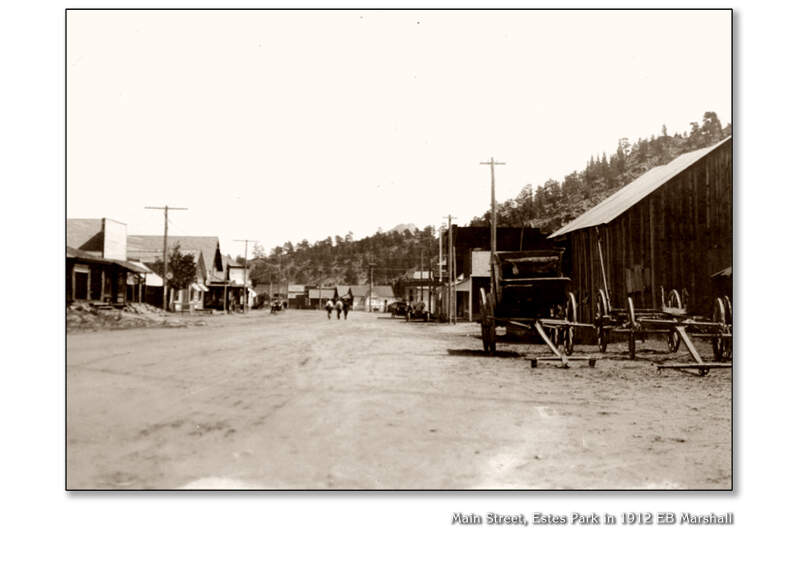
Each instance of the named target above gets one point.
<point>417,310</point>
<point>398,308</point>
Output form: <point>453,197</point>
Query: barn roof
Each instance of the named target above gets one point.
<point>637,190</point>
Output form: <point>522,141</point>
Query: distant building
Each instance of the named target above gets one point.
<point>382,296</point>
<point>296,294</point>
<point>238,288</point>
<point>319,296</point>
<point>421,285</point>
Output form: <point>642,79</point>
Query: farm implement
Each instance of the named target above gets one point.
<point>672,320</point>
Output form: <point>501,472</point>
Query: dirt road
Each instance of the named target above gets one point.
<point>294,400</point>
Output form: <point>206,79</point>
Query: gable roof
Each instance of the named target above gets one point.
<point>150,248</point>
<point>635,191</point>
<point>359,290</point>
<point>382,291</point>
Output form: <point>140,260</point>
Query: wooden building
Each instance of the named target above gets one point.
<point>91,277</point>
<point>96,264</point>
<point>211,280</point>
<point>472,253</point>
<point>296,294</point>
<point>420,285</point>
<point>672,227</point>
<point>317,297</point>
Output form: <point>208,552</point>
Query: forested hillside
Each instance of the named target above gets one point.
<point>344,260</point>
<point>555,203</point>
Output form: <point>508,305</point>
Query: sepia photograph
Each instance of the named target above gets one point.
<point>399,249</point>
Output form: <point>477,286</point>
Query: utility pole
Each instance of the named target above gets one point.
<point>492,163</point>
<point>421,274</point>
<point>244,287</point>
<point>440,254</point>
<point>430,281</point>
<point>450,272</point>
<point>166,210</point>
<point>369,298</point>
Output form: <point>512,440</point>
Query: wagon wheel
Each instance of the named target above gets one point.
<point>674,300</point>
<point>727,343</point>
<point>632,335</point>
<point>673,339</point>
<point>488,333</point>
<point>601,311</point>
<point>572,317</point>
<point>717,343</point>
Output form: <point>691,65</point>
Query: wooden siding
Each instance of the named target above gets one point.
<point>676,237</point>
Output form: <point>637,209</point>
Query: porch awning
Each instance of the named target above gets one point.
<point>137,267</point>
<point>153,280</point>
<point>199,287</point>
<point>132,266</point>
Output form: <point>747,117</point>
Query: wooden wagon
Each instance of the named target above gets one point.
<point>529,290</point>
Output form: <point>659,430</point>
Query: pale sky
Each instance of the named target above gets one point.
<point>282,125</point>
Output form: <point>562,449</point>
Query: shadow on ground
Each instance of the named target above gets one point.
<point>479,353</point>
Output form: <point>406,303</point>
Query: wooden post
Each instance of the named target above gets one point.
<point>492,164</point>
<point>451,270</point>
<point>650,201</point>
<point>166,228</point>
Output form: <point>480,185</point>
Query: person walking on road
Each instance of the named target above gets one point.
<point>339,307</point>
<point>346,308</point>
<point>329,308</point>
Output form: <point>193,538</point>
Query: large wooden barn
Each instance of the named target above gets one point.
<point>672,227</point>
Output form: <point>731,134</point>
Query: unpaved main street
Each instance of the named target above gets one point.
<point>294,400</point>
